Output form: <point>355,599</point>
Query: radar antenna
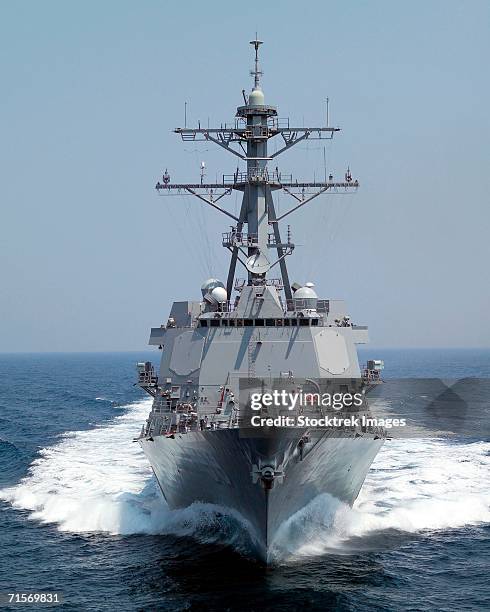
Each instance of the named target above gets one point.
<point>256,73</point>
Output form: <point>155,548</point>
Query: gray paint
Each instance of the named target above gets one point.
<point>191,438</point>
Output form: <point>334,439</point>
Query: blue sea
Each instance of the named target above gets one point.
<point>81,513</point>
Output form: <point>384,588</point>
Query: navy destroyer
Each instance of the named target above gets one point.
<point>244,331</point>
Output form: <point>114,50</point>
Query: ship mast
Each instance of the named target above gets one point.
<point>255,124</point>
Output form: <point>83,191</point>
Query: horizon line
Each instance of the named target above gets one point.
<point>112,351</point>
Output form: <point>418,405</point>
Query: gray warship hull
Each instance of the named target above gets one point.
<point>248,334</point>
<point>216,467</point>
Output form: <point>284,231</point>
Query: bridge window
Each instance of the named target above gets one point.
<point>287,322</point>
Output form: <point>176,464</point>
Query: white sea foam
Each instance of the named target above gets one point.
<point>413,486</point>
<point>99,481</point>
<point>91,480</point>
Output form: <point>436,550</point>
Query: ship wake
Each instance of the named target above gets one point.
<point>99,481</point>
<point>414,486</point>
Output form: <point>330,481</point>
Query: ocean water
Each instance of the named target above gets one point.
<point>81,512</point>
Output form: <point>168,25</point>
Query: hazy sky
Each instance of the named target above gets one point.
<point>91,257</point>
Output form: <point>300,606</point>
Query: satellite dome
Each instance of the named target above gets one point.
<point>219,294</point>
<point>210,284</point>
<point>305,298</point>
<point>305,293</point>
<point>256,98</point>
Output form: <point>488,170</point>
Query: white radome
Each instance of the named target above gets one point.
<point>219,294</point>
<point>256,98</point>
<point>305,293</point>
<point>210,284</point>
